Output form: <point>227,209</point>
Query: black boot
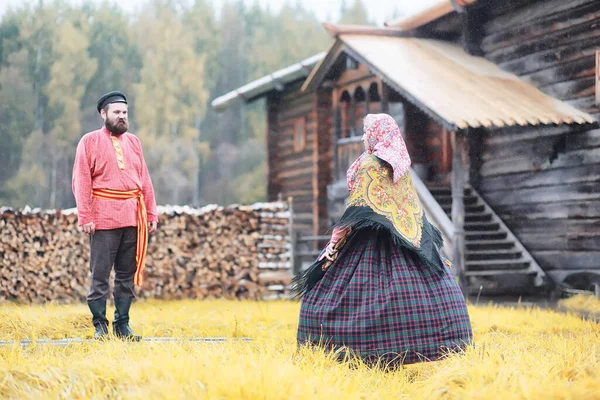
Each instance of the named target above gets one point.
<point>121,327</point>
<point>98,309</point>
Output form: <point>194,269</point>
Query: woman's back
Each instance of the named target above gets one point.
<point>381,288</point>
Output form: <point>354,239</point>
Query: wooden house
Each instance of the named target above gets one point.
<point>498,103</point>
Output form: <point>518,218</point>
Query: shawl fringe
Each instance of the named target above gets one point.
<point>360,218</point>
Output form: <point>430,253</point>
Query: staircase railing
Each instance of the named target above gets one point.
<point>435,214</point>
<point>541,277</point>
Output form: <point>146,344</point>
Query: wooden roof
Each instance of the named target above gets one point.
<point>453,87</point>
<point>273,81</point>
<point>421,12</point>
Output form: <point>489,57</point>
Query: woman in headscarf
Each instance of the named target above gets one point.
<point>380,290</point>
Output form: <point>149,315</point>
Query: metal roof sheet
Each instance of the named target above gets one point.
<point>462,90</point>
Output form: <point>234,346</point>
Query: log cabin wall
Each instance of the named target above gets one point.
<point>551,44</point>
<point>323,172</point>
<point>545,182</point>
<point>293,155</point>
<point>273,182</point>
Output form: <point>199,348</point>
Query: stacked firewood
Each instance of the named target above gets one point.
<point>240,252</point>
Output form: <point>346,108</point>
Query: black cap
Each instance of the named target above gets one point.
<point>111,97</point>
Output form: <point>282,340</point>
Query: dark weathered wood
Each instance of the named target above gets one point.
<point>538,163</point>
<point>564,37</point>
<point>543,145</point>
<point>459,179</point>
<point>528,15</point>
<point>273,183</point>
<point>472,26</point>
<point>288,155</point>
<point>529,63</point>
<point>291,162</point>
<point>507,136</point>
<point>582,68</point>
<point>562,226</point>
<point>559,193</point>
<point>587,173</point>
<point>587,104</point>
<point>290,113</point>
<point>521,148</point>
<point>301,199</point>
<point>303,183</point>
<point>582,209</point>
<point>544,182</point>
<point>385,98</point>
<point>570,90</point>
<point>294,183</point>
<point>296,165</point>
<point>573,15</point>
<point>416,122</point>
<point>325,155</point>
<point>569,259</point>
<point>541,241</point>
<point>597,78</point>
<point>550,44</point>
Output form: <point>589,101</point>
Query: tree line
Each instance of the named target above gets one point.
<point>171,59</point>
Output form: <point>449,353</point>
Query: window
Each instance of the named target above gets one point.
<point>300,134</point>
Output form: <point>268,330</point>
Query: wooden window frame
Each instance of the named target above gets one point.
<point>295,123</point>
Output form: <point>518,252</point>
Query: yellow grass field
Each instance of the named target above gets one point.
<point>519,354</point>
<point>588,303</point>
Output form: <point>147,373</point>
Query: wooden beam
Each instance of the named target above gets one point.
<point>338,127</point>
<point>598,76</point>
<point>472,28</point>
<point>315,168</point>
<point>336,30</point>
<point>273,180</point>
<point>385,98</point>
<point>459,179</point>
<point>367,99</point>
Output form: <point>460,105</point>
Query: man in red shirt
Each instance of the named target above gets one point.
<point>116,207</point>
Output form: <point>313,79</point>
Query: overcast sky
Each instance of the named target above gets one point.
<point>379,10</point>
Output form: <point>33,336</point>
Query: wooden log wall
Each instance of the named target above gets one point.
<point>551,44</point>
<point>545,185</point>
<point>273,182</point>
<point>545,182</point>
<point>292,171</point>
<point>240,252</point>
<point>324,156</point>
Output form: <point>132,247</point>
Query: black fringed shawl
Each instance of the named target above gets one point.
<point>376,202</point>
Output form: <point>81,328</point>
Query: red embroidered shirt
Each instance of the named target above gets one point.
<point>107,161</point>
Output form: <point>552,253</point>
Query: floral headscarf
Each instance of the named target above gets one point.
<point>383,139</point>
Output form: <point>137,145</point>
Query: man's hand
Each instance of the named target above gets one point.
<point>152,226</point>
<point>89,228</point>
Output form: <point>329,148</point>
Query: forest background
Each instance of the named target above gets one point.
<point>171,58</point>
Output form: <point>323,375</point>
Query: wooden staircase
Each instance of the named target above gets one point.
<point>495,261</point>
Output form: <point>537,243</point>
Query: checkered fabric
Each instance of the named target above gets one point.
<point>382,302</point>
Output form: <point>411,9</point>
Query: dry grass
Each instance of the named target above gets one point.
<point>520,354</point>
<point>587,302</point>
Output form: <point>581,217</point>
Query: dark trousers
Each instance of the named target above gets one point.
<point>112,247</point>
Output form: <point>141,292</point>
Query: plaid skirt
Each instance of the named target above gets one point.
<point>379,301</point>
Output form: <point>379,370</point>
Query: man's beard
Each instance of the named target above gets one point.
<point>118,126</point>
